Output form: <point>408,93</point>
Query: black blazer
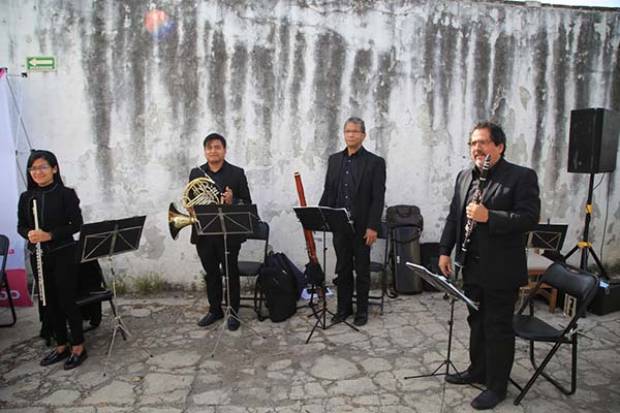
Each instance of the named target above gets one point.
<point>233,177</point>
<point>512,197</point>
<point>369,191</point>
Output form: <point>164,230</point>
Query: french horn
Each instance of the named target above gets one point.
<point>199,191</point>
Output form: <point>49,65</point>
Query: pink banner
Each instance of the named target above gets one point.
<point>19,289</point>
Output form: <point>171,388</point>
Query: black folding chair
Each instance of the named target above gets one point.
<point>92,291</point>
<point>252,268</point>
<point>4,279</point>
<point>582,286</point>
<point>381,268</point>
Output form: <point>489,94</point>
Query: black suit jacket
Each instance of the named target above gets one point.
<point>369,191</point>
<point>512,197</point>
<point>233,177</point>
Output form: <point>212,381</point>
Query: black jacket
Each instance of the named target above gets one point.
<point>231,176</point>
<point>512,197</point>
<point>59,213</point>
<point>369,191</point>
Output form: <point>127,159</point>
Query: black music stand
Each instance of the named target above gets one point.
<point>442,284</point>
<point>549,238</point>
<point>105,239</point>
<point>324,219</point>
<point>225,220</point>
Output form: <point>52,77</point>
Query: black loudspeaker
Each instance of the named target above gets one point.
<point>593,140</point>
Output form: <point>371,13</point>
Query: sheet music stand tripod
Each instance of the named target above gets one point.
<point>105,239</point>
<point>224,220</point>
<point>441,283</point>
<point>324,219</point>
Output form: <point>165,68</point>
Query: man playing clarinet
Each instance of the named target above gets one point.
<point>494,263</point>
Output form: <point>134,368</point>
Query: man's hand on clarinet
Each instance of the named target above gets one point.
<point>370,236</point>
<point>445,265</point>
<point>477,212</point>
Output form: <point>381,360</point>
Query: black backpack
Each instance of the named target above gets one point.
<point>277,284</point>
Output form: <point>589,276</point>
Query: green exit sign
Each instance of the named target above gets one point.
<point>41,63</point>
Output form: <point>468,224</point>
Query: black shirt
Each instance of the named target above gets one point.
<point>346,184</point>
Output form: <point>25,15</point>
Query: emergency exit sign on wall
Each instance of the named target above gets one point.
<point>41,63</point>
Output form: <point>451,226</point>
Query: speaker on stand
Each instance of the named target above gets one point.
<point>592,149</point>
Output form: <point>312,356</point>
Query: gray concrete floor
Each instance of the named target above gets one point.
<point>340,370</point>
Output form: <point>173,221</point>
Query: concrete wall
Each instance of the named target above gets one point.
<point>129,105</point>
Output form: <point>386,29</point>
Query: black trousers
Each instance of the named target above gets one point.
<point>352,253</point>
<point>491,338</point>
<point>60,272</point>
<point>212,255</point>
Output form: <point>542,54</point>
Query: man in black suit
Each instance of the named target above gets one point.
<point>356,181</point>
<point>495,264</point>
<point>233,185</point>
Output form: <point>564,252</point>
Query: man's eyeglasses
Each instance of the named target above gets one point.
<point>39,168</point>
<point>485,142</point>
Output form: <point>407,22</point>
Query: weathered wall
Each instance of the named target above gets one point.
<point>126,110</point>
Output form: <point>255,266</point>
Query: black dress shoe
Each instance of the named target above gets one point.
<point>464,378</point>
<point>75,360</point>
<point>209,319</point>
<point>361,318</point>
<point>486,400</point>
<point>233,324</point>
<point>54,357</point>
<point>341,316</point>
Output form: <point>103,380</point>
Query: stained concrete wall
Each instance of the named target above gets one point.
<point>127,109</point>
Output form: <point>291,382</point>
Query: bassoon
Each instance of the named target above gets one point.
<point>313,269</point>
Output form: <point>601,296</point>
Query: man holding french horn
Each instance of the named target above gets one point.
<point>495,203</point>
<point>230,183</point>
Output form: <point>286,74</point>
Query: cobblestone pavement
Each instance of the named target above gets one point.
<point>340,370</point>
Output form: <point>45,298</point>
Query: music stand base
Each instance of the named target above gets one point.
<point>230,313</point>
<point>124,331</point>
<point>321,316</point>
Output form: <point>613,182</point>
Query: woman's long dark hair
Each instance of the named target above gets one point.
<point>50,158</point>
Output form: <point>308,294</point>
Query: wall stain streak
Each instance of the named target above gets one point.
<point>329,56</point>
<point>98,91</point>
<point>503,64</point>
<point>299,76</point>
<point>217,63</point>
<point>359,82</point>
<point>387,71</point>
<point>238,78</point>
<point>482,68</point>
<point>264,81</point>
<point>539,65</point>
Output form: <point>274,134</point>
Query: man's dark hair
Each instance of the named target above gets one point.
<point>214,137</point>
<point>356,121</point>
<point>497,133</point>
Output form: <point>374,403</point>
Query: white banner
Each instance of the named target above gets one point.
<point>9,190</point>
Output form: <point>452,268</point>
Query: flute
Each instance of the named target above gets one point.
<point>39,255</point>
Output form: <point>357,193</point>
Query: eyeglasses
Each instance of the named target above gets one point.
<point>352,131</point>
<point>484,142</point>
<point>43,168</point>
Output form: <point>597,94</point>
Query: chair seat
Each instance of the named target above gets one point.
<point>95,297</point>
<point>532,328</point>
<point>376,266</point>
<point>249,268</point>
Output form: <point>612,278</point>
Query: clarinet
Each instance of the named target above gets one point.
<point>39,255</point>
<point>477,198</point>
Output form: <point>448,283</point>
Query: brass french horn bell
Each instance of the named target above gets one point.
<point>199,191</point>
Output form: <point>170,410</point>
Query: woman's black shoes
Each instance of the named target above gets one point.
<point>55,357</point>
<point>75,360</point>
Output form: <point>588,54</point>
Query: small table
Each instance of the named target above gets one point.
<point>536,266</point>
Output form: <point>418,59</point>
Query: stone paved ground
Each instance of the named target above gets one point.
<point>339,371</point>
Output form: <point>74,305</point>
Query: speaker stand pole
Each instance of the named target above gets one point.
<point>584,244</point>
